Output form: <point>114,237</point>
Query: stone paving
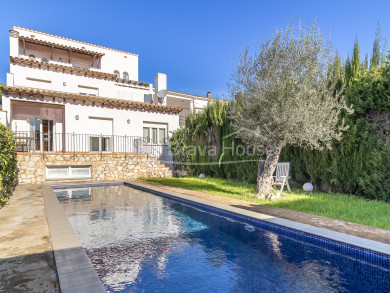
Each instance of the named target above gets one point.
<point>368,232</point>
<point>26,257</point>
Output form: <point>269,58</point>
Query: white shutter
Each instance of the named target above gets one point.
<point>100,126</point>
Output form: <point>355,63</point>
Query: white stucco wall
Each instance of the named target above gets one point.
<point>112,60</point>
<point>3,118</point>
<point>66,82</point>
<point>119,118</point>
<point>40,78</point>
<point>83,125</point>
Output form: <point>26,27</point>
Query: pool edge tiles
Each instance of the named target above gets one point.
<point>74,269</point>
<point>364,248</point>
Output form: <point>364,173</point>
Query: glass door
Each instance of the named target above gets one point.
<point>35,137</point>
<point>47,131</point>
<point>41,138</point>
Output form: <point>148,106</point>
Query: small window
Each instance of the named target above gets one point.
<point>44,59</point>
<point>100,144</point>
<point>57,172</point>
<point>31,57</point>
<point>154,135</point>
<point>116,72</point>
<point>146,135</point>
<point>125,76</point>
<point>68,172</point>
<point>161,136</point>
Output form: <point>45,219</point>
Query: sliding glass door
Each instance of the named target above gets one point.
<point>41,138</point>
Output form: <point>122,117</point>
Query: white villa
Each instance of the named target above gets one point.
<point>64,95</point>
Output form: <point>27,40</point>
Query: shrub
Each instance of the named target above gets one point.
<point>8,164</point>
<point>211,130</point>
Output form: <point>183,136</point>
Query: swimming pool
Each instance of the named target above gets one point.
<point>140,242</point>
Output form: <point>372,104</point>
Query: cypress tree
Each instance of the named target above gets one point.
<point>365,65</point>
<point>338,72</point>
<point>375,58</point>
<point>355,62</point>
<point>348,73</point>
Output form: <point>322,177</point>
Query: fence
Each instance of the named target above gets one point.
<point>45,142</point>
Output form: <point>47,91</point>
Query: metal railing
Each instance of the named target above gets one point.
<point>48,142</point>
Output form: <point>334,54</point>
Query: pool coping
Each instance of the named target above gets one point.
<point>354,241</point>
<point>74,269</point>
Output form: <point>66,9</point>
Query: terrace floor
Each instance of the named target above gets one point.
<point>26,256</point>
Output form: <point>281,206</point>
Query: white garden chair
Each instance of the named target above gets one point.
<point>282,175</point>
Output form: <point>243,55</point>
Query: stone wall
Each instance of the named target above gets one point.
<point>114,166</point>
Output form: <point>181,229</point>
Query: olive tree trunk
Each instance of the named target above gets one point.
<point>266,169</point>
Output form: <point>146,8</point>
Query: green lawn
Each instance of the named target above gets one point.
<point>335,205</point>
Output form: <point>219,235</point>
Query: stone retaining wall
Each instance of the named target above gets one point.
<point>115,166</point>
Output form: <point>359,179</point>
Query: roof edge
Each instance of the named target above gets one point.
<point>65,95</point>
<point>73,40</point>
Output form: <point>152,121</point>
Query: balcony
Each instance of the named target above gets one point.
<point>48,142</point>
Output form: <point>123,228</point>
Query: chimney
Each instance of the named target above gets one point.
<point>209,95</point>
<point>160,83</point>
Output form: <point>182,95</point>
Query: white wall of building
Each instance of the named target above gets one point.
<point>3,118</point>
<point>67,82</point>
<point>112,59</point>
<point>119,118</point>
<point>106,117</point>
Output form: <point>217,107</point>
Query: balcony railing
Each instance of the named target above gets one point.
<point>48,142</point>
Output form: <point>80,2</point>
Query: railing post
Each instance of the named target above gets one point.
<point>74,146</point>
<point>42,144</point>
<point>125,148</point>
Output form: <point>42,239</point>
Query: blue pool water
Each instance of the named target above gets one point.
<point>140,242</point>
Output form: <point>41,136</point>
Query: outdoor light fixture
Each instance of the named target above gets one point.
<point>77,117</point>
<point>308,187</point>
<point>128,121</point>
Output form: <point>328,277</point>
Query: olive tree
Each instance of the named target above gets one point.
<point>287,96</point>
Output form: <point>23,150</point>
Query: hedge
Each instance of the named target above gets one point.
<point>8,164</point>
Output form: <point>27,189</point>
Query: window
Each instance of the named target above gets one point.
<point>87,90</point>
<point>146,135</point>
<point>68,172</point>
<point>116,72</point>
<point>100,144</point>
<point>80,65</point>
<point>155,134</point>
<point>95,144</point>
<point>161,136</point>
<point>125,76</point>
<point>38,83</point>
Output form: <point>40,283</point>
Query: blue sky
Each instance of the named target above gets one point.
<point>196,43</point>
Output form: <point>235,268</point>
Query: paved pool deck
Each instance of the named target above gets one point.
<point>363,231</point>
<point>26,254</point>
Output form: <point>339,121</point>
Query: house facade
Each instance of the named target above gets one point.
<point>64,95</point>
